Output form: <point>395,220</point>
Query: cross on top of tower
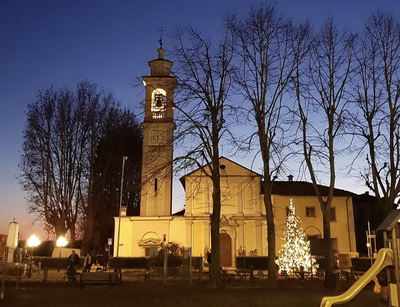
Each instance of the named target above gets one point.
<point>161,36</point>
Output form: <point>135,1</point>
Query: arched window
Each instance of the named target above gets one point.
<point>158,103</point>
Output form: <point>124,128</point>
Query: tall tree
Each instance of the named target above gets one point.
<point>322,102</point>
<point>268,49</point>
<point>123,137</point>
<point>52,158</point>
<point>204,79</point>
<point>60,140</point>
<point>376,120</point>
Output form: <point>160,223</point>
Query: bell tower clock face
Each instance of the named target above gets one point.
<point>157,136</point>
<point>158,103</point>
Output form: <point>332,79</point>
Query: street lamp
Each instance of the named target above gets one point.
<point>61,242</point>
<point>124,158</point>
<point>32,242</point>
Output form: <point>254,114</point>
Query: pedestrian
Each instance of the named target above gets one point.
<point>87,264</point>
<point>73,261</point>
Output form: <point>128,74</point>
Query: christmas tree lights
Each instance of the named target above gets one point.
<point>294,254</point>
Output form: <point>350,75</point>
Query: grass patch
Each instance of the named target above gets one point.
<point>174,295</point>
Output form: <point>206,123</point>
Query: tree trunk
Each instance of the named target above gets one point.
<point>59,228</point>
<point>271,235</point>
<point>330,280</point>
<point>271,255</point>
<point>87,244</point>
<point>215,220</point>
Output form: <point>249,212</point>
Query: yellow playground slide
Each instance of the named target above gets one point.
<point>384,259</point>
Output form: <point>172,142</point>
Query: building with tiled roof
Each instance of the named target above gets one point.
<point>243,227</point>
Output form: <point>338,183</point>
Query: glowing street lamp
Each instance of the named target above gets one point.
<point>32,242</point>
<point>61,242</point>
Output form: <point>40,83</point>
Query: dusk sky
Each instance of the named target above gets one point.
<point>59,43</point>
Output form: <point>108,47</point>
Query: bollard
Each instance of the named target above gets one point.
<point>201,272</point>
<point>45,274</point>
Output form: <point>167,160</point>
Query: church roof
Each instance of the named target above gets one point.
<point>302,188</point>
<point>179,213</point>
<point>284,188</point>
<point>223,163</point>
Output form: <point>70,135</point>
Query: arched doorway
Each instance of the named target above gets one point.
<point>225,242</point>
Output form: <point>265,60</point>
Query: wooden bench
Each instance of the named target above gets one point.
<point>109,278</point>
<point>147,275</point>
<point>284,275</point>
<point>227,275</point>
<point>259,275</point>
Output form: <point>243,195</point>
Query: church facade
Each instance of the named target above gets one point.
<point>243,229</point>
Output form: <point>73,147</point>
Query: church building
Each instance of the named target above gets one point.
<point>243,229</point>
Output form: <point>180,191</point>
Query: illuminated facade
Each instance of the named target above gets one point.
<point>243,218</point>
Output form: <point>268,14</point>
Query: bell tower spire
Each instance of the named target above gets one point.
<point>158,126</point>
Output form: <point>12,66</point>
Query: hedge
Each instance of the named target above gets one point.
<point>257,263</point>
<point>147,263</point>
<point>55,263</point>
<point>361,264</point>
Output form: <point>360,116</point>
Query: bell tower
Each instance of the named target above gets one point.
<point>158,126</point>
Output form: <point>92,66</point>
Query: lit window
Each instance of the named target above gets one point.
<point>310,211</point>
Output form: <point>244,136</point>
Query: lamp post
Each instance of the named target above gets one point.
<point>61,242</point>
<point>124,158</point>
<point>32,242</point>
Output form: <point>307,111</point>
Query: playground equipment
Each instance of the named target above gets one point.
<point>387,258</point>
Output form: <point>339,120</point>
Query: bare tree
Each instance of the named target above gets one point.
<point>269,48</point>
<point>376,120</point>
<point>322,102</point>
<point>61,136</point>
<point>51,158</point>
<point>204,80</point>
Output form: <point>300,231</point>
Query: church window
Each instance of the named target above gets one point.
<point>155,185</point>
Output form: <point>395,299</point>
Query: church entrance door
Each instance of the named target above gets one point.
<point>225,242</point>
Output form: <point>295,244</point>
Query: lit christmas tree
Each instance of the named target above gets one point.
<point>295,252</point>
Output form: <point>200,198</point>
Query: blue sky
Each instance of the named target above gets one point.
<point>59,43</point>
